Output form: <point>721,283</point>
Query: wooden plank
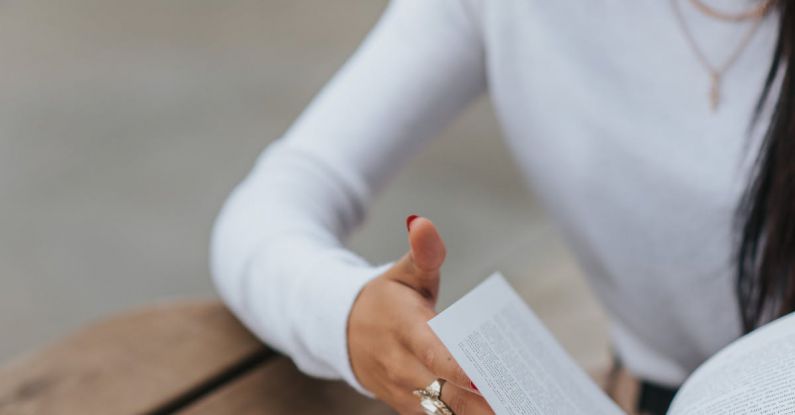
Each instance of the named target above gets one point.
<point>134,363</point>
<point>277,387</point>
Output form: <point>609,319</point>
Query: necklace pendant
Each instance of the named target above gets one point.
<point>714,92</point>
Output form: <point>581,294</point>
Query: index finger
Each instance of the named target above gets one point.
<point>424,344</point>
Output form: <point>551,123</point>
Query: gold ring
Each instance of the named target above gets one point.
<point>431,399</point>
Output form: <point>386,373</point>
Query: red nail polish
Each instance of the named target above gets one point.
<point>474,388</point>
<point>409,220</point>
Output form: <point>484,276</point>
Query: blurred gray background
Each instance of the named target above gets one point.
<point>124,125</point>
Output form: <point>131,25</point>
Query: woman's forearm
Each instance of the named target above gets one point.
<point>278,256</point>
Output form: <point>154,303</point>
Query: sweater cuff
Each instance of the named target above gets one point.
<point>330,304</point>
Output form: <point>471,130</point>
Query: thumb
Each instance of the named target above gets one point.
<point>419,268</point>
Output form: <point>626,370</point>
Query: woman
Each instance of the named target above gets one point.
<point>638,123</point>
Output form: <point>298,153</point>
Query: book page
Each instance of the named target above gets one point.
<point>753,375</point>
<point>515,362</point>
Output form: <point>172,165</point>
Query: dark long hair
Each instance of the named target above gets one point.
<point>766,216</point>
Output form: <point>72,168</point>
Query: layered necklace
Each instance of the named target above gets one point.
<point>717,71</point>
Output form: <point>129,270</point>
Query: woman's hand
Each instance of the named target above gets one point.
<point>393,350</point>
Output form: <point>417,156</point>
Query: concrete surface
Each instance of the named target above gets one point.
<point>123,126</point>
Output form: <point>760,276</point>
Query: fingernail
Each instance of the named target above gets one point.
<point>409,220</point>
<point>474,388</point>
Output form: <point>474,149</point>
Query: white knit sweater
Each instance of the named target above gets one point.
<point>604,106</point>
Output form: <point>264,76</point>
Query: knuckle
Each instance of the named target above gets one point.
<point>459,375</point>
<point>451,371</point>
<point>459,403</point>
<point>429,357</point>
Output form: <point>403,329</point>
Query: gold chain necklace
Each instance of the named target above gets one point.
<point>716,72</point>
<point>754,13</point>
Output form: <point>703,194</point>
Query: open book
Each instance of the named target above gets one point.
<point>520,368</point>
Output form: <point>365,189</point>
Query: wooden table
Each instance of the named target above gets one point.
<point>188,358</point>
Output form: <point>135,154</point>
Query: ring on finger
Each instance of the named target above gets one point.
<point>431,399</point>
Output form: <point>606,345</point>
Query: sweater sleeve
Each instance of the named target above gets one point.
<point>277,253</point>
